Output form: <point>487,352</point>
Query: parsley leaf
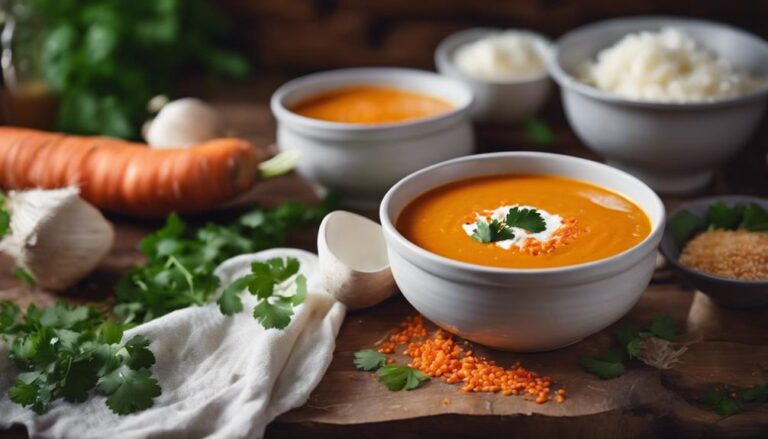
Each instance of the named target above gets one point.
<point>754,218</point>
<point>664,328</point>
<point>397,377</point>
<point>5,217</point>
<point>492,232</point>
<point>369,360</point>
<point>720,216</point>
<point>604,370</point>
<point>528,219</point>
<point>273,314</point>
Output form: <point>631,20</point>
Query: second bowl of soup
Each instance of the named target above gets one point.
<point>359,131</point>
<point>522,251</point>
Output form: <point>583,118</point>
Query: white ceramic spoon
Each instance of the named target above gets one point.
<point>354,267</point>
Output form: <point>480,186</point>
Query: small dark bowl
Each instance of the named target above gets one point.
<point>725,292</point>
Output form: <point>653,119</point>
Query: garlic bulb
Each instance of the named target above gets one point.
<point>55,236</point>
<point>184,122</point>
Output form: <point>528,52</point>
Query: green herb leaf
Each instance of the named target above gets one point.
<point>756,394</point>
<point>492,232</point>
<point>274,314</point>
<point>24,276</point>
<point>754,218</point>
<point>664,327</point>
<point>604,370</point>
<point>482,232</point>
<point>528,219</point>
<point>397,377</point>
<point>720,216</point>
<point>727,407</point>
<point>538,131</point>
<point>369,360</point>
<point>129,390</point>
<point>683,225</point>
<point>230,302</point>
<point>5,217</point>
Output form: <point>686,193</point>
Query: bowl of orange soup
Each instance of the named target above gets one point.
<point>359,131</point>
<point>522,251</point>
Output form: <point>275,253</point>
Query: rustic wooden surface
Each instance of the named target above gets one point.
<point>732,346</point>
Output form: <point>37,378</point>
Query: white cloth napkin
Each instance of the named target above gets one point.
<point>222,377</point>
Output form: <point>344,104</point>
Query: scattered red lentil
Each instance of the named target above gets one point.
<point>563,236</point>
<point>440,356</point>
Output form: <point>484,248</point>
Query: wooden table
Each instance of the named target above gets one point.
<point>731,346</point>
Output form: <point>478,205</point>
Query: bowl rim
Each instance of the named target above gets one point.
<point>284,114</point>
<point>689,271</point>
<point>449,44</point>
<point>390,229</point>
<point>569,82</point>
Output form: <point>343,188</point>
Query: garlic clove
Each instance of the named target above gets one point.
<point>184,122</point>
<point>56,236</point>
<point>354,266</point>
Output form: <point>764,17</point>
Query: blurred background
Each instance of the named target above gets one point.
<point>91,66</point>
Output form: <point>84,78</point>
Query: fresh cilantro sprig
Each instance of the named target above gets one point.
<point>394,376</point>
<point>277,286</point>
<point>630,338</point>
<point>750,216</point>
<point>494,231</point>
<point>181,259</point>
<point>68,352</point>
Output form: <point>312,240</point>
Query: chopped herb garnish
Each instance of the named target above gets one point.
<point>528,219</point>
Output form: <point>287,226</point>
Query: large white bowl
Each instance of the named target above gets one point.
<point>671,146</point>
<point>498,101</point>
<point>363,161</point>
<point>521,309</point>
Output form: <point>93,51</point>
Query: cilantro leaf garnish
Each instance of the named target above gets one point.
<point>397,377</point>
<point>528,219</point>
<point>754,218</point>
<point>630,339</point>
<point>492,232</point>
<point>720,216</point>
<point>269,282</point>
<point>369,360</point>
<point>129,390</point>
<point>664,328</point>
<point>24,276</point>
<point>683,225</point>
<point>604,370</point>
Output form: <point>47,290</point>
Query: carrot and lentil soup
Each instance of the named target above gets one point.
<point>523,221</point>
<point>372,105</point>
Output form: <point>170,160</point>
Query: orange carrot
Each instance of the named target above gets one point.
<point>129,178</point>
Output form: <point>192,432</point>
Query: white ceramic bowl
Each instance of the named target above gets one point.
<point>363,161</point>
<point>497,101</point>
<point>521,309</point>
<point>671,146</point>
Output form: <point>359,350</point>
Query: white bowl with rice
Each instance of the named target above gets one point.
<point>666,99</point>
<point>506,70</point>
